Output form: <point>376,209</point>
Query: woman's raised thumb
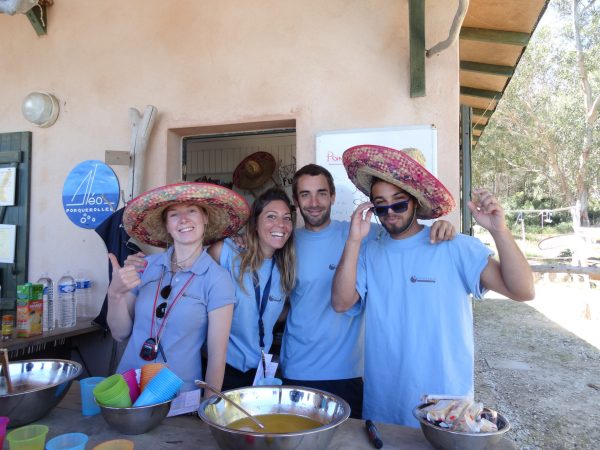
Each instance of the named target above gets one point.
<point>114,261</point>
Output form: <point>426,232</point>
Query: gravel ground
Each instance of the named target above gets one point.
<point>533,364</point>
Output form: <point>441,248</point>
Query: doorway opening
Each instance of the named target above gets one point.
<point>213,158</point>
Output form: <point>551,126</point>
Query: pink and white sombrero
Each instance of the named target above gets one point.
<point>402,168</point>
<point>227,211</point>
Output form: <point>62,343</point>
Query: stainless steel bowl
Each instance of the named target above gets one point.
<point>136,420</point>
<point>444,439</point>
<point>322,406</point>
<point>38,386</point>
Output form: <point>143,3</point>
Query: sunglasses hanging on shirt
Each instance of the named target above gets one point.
<point>152,346</point>
<point>160,310</point>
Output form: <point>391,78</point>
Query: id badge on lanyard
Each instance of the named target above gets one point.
<point>266,368</point>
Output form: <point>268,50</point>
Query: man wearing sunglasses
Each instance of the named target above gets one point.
<point>321,348</point>
<point>416,297</point>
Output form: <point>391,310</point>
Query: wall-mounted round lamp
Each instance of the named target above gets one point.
<point>40,108</point>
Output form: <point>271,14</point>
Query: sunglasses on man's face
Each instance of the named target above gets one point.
<point>399,207</point>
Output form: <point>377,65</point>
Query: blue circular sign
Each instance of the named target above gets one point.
<point>90,193</point>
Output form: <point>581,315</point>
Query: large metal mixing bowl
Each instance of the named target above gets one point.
<point>136,420</point>
<point>444,439</point>
<point>38,386</point>
<point>326,408</point>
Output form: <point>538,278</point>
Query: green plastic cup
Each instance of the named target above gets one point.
<point>113,392</point>
<point>29,437</point>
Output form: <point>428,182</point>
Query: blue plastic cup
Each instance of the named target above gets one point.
<point>269,381</point>
<point>69,441</point>
<point>89,407</point>
<point>162,387</point>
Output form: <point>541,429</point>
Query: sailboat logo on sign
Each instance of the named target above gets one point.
<point>90,193</point>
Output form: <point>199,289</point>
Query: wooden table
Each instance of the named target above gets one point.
<point>18,347</point>
<point>189,432</point>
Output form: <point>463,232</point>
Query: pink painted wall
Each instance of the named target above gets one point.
<point>328,65</point>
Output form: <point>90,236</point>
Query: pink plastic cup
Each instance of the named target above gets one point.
<point>3,423</point>
<point>134,387</point>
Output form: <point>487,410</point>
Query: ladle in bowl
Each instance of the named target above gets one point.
<point>205,385</point>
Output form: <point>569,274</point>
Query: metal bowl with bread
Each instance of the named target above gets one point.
<point>446,439</point>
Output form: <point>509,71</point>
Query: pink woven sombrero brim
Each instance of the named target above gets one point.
<point>243,180</point>
<point>227,211</point>
<point>365,162</point>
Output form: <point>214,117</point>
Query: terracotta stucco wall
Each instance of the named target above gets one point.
<point>328,65</point>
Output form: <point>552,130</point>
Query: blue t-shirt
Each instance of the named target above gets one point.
<point>187,324</point>
<point>319,343</point>
<point>243,351</point>
<point>419,320</point>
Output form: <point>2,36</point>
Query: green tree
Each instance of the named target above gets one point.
<point>543,139</point>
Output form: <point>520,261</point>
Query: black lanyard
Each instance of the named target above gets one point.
<point>262,305</point>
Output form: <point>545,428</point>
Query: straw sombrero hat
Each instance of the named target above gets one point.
<point>403,168</point>
<point>227,211</point>
<point>254,171</point>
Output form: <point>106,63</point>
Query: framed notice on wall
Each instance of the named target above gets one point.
<point>331,145</point>
<point>8,177</point>
<point>8,235</point>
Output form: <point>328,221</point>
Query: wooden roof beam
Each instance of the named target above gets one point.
<point>473,92</point>
<point>496,36</point>
<point>492,69</point>
<point>483,112</point>
<point>416,19</point>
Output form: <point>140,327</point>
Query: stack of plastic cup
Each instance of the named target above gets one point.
<point>131,379</point>
<point>148,372</point>
<point>88,405</point>
<point>69,441</point>
<point>162,387</point>
<point>3,423</point>
<point>29,437</point>
<point>113,392</point>
<point>116,444</point>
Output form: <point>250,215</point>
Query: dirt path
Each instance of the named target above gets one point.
<point>542,376</point>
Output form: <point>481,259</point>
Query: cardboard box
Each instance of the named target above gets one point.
<point>30,309</point>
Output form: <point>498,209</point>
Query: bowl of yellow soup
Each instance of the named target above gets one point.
<point>294,417</point>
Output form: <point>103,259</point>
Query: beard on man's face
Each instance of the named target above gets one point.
<point>316,221</point>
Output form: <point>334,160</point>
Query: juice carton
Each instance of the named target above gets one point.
<point>29,309</point>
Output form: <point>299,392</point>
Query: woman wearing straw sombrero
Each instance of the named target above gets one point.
<point>416,297</point>
<point>182,298</point>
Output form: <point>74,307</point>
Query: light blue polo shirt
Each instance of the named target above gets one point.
<point>419,320</point>
<point>319,343</point>
<point>243,351</point>
<point>187,324</point>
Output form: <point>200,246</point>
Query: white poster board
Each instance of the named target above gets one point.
<point>331,145</point>
<point>8,177</point>
<point>8,235</point>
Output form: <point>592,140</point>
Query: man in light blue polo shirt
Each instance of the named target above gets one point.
<point>321,348</point>
<point>416,297</point>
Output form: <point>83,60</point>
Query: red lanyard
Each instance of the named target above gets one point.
<point>171,306</point>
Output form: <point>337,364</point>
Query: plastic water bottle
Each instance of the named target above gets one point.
<point>67,314</point>
<point>83,294</point>
<point>48,317</point>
